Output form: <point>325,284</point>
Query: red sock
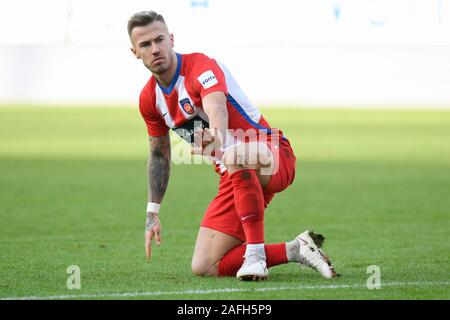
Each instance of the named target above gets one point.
<point>233,259</point>
<point>249,203</point>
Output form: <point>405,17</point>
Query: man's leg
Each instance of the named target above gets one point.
<point>210,247</point>
<point>221,236</point>
<point>219,254</point>
<point>243,164</point>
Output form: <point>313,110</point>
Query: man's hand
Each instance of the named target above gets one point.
<point>152,231</point>
<point>205,142</point>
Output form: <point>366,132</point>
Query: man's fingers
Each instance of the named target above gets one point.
<point>148,251</point>
<point>158,237</point>
<point>195,150</point>
<point>148,243</point>
<point>203,140</point>
<point>197,146</point>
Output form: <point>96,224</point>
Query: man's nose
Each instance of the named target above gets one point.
<point>155,49</point>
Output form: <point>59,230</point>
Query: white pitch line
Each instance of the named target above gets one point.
<point>223,290</point>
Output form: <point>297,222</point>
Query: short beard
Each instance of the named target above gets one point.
<point>161,68</point>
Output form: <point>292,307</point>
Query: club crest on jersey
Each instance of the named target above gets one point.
<point>187,106</point>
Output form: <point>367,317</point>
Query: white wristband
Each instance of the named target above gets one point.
<point>153,207</point>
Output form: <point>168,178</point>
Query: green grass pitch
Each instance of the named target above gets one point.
<point>376,183</point>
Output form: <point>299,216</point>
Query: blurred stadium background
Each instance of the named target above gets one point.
<point>373,175</point>
<point>303,52</point>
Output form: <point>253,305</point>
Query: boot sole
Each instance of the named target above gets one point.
<point>318,240</point>
<point>252,278</point>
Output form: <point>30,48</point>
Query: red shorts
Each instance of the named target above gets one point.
<point>221,214</point>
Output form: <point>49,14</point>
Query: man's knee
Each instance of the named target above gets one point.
<point>198,268</point>
<point>246,156</point>
<point>203,268</point>
<point>234,160</point>
<point>253,155</point>
<point>210,248</point>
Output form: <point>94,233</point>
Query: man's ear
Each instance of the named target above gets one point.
<point>135,53</point>
<point>172,40</point>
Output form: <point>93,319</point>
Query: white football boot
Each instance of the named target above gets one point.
<point>312,256</point>
<point>254,268</point>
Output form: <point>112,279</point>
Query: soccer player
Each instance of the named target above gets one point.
<point>197,96</point>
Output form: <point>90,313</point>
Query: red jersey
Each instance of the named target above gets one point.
<point>179,107</point>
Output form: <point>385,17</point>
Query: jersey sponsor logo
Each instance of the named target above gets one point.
<point>187,129</point>
<point>187,106</point>
<point>207,79</point>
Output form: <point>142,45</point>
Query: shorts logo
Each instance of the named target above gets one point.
<point>187,106</point>
<point>207,79</point>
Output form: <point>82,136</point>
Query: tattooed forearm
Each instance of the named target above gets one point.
<point>158,167</point>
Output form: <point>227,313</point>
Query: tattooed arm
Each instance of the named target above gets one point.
<point>158,178</point>
<point>158,167</point>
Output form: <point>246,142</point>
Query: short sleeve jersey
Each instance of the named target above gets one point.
<point>179,107</point>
